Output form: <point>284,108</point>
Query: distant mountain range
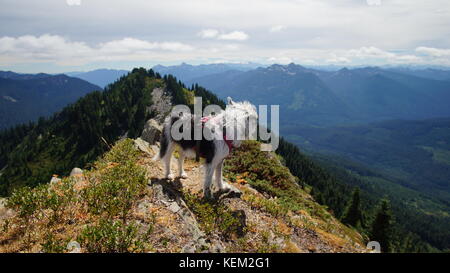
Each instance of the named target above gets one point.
<point>430,73</point>
<point>100,77</point>
<point>346,96</point>
<point>186,72</point>
<point>26,97</point>
<point>328,114</point>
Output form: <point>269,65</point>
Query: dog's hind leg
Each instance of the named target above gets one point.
<point>167,159</point>
<point>209,171</point>
<point>222,186</point>
<point>181,158</point>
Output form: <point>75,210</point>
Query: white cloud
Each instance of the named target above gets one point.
<point>73,2</point>
<point>215,34</point>
<point>277,28</point>
<point>373,2</point>
<point>433,52</point>
<point>54,48</point>
<point>208,33</point>
<point>129,45</point>
<point>280,60</point>
<point>234,35</point>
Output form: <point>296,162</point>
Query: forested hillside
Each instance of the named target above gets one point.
<point>26,97</point>
<point>30,154</point>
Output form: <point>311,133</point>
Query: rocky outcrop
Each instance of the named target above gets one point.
<point>152,131</point>
<point>162,103</point>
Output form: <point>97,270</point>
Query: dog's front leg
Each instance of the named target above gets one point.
<point>167,159</point>
<point>181,171</point>
<point>209,171</point>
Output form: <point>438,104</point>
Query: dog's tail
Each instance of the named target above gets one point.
<point>165,138</point>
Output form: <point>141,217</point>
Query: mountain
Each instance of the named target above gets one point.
<point>77,134</point>
<point>100,77</point>
<point>346,96</point>
<point>416,153</point>
<point>429,73</point>
<point>18,76</point>
<point>399,159</point>
<point>26,97</point>
<point>31,154</point>
<point>151,214</point>
<point>186,72</point>
<point>298,90</point>
<point>377,94</point>
<point>119,203</point>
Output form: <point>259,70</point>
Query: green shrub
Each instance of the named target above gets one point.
<point>120,182</point>
<point>111,236</point>
<point>214,216</point>
<point>53,245</point>
<point>116,190</point>
<point>26,201</point>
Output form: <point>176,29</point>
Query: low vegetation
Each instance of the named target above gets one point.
<point>93,210</point>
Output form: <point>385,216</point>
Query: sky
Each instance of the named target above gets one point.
<point>79,35</point>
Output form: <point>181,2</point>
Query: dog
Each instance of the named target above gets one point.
<point>223,126</point>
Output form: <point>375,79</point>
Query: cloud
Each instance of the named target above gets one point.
<point>234,35</point>
<point>73,2</point>
<point>277,28</point>
<point>129,45</point>
<point>372,53</point>
<point>433,52</point>
<point>208,33</point>
<point>54,48</point>
<point>280,60</point>
<point>373,2</point>
<point>214,33</point>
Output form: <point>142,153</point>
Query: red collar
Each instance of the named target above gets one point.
<point>228,142</point>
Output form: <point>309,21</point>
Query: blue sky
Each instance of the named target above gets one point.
<point>72,35</point>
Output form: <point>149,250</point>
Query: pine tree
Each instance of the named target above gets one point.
<point>353,215</point>
<point>382,226</point>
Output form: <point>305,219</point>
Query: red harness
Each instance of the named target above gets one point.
<point>229,143</point>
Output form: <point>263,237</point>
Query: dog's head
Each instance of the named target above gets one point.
<point>242,117</point>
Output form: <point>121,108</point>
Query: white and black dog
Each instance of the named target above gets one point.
<point>226,125</point>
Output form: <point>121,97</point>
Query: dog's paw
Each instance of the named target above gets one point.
<point>207,194</point>
<point>170,176</point>
<point>183,175</point>
<point>229,191</point>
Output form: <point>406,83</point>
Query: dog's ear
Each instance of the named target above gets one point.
<point>230,101</point>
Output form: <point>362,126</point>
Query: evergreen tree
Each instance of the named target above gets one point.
<point>382,226</point>
<point>353,215</point>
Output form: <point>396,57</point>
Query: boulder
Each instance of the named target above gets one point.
<point>76,172</point>
<point>54,180</point>
<point>152,131</point>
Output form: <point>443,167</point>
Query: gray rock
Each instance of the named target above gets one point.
<point>142,145</point>
<point>152,131</point>
<point>217,247</point>
<point>76,172</point>
<point>55,180</point>
<point>174,207</point>
<point>189,248</point>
